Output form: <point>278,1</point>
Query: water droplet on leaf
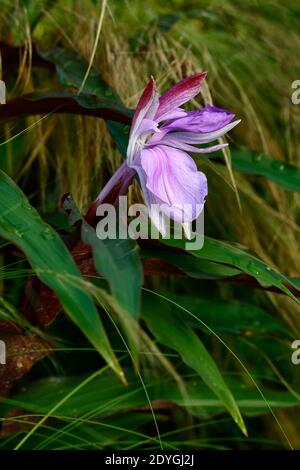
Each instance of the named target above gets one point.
<point>257,157</point>
<point>253,269</point>
<point>48,233</point>
<point>278,166</point>
<point>27,206</point>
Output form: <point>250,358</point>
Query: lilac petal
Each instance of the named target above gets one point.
<point>192,138</point>
<point>177,143</point>
<point>145,104</point>
<point>148,125</point>
<point>178,95</point>
<point>173,178</point>
<point>204,120</point>
<point>157,137</point>
<point>120,179</point>
<point>153,203</point>
<point>145,112</point>
<point>176,113</point>
<point>196,122</point>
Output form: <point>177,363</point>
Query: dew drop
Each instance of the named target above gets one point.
<point>257,157</point>
<point>252,268</point>
<point>17,229</point>
<point>27,206</point>
<point>48,233</point>
<point>278,166</point>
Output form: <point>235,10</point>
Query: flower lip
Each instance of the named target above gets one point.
<point>172,176</point>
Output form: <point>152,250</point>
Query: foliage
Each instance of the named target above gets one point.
<point>131,344</point>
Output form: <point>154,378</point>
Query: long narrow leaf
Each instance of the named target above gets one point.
<point>21,224</point>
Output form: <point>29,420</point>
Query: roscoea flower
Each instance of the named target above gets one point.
<point>161,134</point>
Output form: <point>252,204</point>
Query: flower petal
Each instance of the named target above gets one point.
<point>177,138</point>
<point>179,94</point>
<point>201,121</point>
<point>173,178</point>
<point>157,217</point>
<point>174,114</point>
<point>146,102</point>
<point>178,144</point>
<point>144,114</point>
<point>148,125</point>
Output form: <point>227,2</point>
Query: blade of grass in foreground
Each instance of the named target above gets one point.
<point>21,224</point>
<point>171,330</point>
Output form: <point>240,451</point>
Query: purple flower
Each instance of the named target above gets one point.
<point>161,134</point>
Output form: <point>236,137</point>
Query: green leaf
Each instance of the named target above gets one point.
<point>232,317</point>
<point>254,163</point>
<point>21,224</point>
<point>71,69</point>
<point>190,265</point>
<point>107,395</point>
<point>166,22</point>
<point>120,135</point>
<point>173,331</point>
<point>116,260</point>
<point>239,257</point>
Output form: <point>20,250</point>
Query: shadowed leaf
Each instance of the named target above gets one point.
<point>21,224</point>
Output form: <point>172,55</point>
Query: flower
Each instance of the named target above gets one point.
<point>161,133</point>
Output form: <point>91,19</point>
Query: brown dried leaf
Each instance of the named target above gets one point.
<point>22,352</point>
